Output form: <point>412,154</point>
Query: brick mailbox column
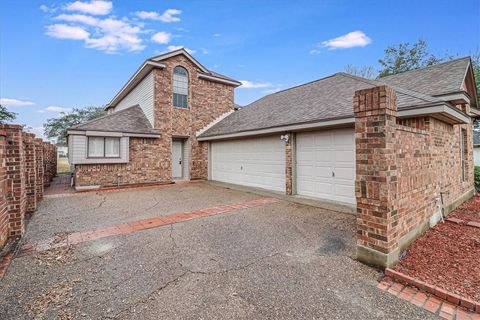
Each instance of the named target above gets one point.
<point>376,175</point>
<point>15,185</point>
<point>30,171</point>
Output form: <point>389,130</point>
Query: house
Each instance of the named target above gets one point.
<point>476,148</point>
<point>398,150</point>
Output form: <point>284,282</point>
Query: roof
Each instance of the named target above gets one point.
<point>476,137</point>
<point>439,79</point>
<point>129,120</point>
<point>329,98</point>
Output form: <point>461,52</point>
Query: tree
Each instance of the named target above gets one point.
<point>476,75</point>
<point>57,127</point>
<point>405,57</point>
<point>5,115</point>
<point>367,72</point>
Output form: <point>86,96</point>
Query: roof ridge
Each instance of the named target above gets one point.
<point>412,93</point>
<point>428,67</point>
<point>105,116</point>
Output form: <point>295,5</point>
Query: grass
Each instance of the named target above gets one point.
<point>63,166</point>
<point>477,178</point>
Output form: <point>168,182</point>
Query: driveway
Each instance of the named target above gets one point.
<point>230,257</point>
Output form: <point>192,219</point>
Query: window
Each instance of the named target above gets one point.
<point>180,87</point>
<point>103,147</point>
<point>463,151</point>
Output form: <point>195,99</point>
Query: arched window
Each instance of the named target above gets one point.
<point>180,87</point>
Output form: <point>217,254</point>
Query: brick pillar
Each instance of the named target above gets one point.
<point>30,172</point>
<point>289,164</point>
<point>376,175</point>
<point>3,188</point>
<point>39,162</point>
<point>15,191</point>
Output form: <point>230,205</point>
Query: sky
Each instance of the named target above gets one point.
<point>57,55</point>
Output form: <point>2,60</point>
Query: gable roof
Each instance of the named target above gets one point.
<point>476,138</point>
<point>129,120</point>
<point>156,62</point>
<point>327,99</point>
<point>440,79</point>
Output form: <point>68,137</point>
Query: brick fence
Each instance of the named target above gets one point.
<point>27,165</point>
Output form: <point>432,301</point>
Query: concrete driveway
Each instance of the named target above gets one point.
<point>244,260</point>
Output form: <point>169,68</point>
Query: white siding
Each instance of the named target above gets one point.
<point>77,146</point>
<point>257,162</point>
<point>476,156</point>
<point>142,95</point>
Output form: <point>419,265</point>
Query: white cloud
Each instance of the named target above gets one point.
<point>173,48</point>
<point>273,90</point>
<point>95,7</point>
<point>349,40</point>
<point>15,102</point>
<point>81,18</point>
<point>55,109</point>
<point>38,131</point>
<point>47,9</point>
<point>216,34</point>
<point>116,35</point>
<point>254,85</point>
<point>63,31</point>
<point>170,15</point>
<point>162,37</point>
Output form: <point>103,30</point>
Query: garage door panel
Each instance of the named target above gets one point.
<point>258,162</point>
<point>332,151</point>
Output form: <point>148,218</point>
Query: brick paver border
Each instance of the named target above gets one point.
<point>451,297</point>
<point>426,300</point>
<point>129,227</point>
<point>463,222</point>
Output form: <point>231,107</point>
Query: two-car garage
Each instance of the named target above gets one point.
<point>324,163</point>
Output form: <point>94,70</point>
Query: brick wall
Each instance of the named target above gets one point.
<point>21,180</point>
<point>404,168</point>
<point>145,166</point>
<point>49,162</point>
<point>3,188</point>
<point>150,159</point>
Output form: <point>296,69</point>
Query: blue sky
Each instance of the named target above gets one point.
<point>55,55</point>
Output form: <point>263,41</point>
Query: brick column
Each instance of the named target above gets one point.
<point>39,162</point>
<point>15,191</point>
<point>3,188</point>
<point>376,175</point>
<point>290,164</point>
<point>30,172</point>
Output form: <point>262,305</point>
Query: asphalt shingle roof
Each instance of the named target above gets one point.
<point>435,80</point>
<point>325,99</point>
<point>129,120</point>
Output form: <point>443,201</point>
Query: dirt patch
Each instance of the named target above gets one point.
<point>57,256</point>
<point>447,256</point>
<point>52,303</point>
<point>469,211</point>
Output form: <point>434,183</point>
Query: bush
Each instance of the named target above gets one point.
<point>477,178</point>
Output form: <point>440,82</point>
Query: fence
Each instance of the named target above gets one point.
<point>28,164</point>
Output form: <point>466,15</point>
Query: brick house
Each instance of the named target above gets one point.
<point>397,150</point>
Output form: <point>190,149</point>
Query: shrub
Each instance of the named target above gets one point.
<point>477,178</point>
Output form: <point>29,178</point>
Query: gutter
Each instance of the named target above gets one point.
<point>112,134</point>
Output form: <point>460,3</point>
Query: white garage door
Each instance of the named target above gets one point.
<point>258,162</point>
<point>326,165</point>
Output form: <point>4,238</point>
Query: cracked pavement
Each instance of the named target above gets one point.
<point>279,260</point>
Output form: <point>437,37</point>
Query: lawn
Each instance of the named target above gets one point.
<point>63,166</point>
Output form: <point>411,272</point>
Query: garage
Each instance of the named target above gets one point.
<point>326,165</point>
<point>255,162</point>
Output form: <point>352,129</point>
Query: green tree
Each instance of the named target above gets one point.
<point>56,128</point>
<point>5,115</point>
<point>405,57</point>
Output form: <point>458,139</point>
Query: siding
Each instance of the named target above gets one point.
<point>476,156</point>
<point>77,145</point>
<point>142,95</point>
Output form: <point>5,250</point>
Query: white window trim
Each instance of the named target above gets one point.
<point>104,149</point>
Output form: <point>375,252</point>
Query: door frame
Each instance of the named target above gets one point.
<point>185,155</point>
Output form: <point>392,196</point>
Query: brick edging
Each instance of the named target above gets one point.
<point>463,222</point>
<point>436,291</point>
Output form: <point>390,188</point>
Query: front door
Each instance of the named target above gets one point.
<point>177,146</point>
